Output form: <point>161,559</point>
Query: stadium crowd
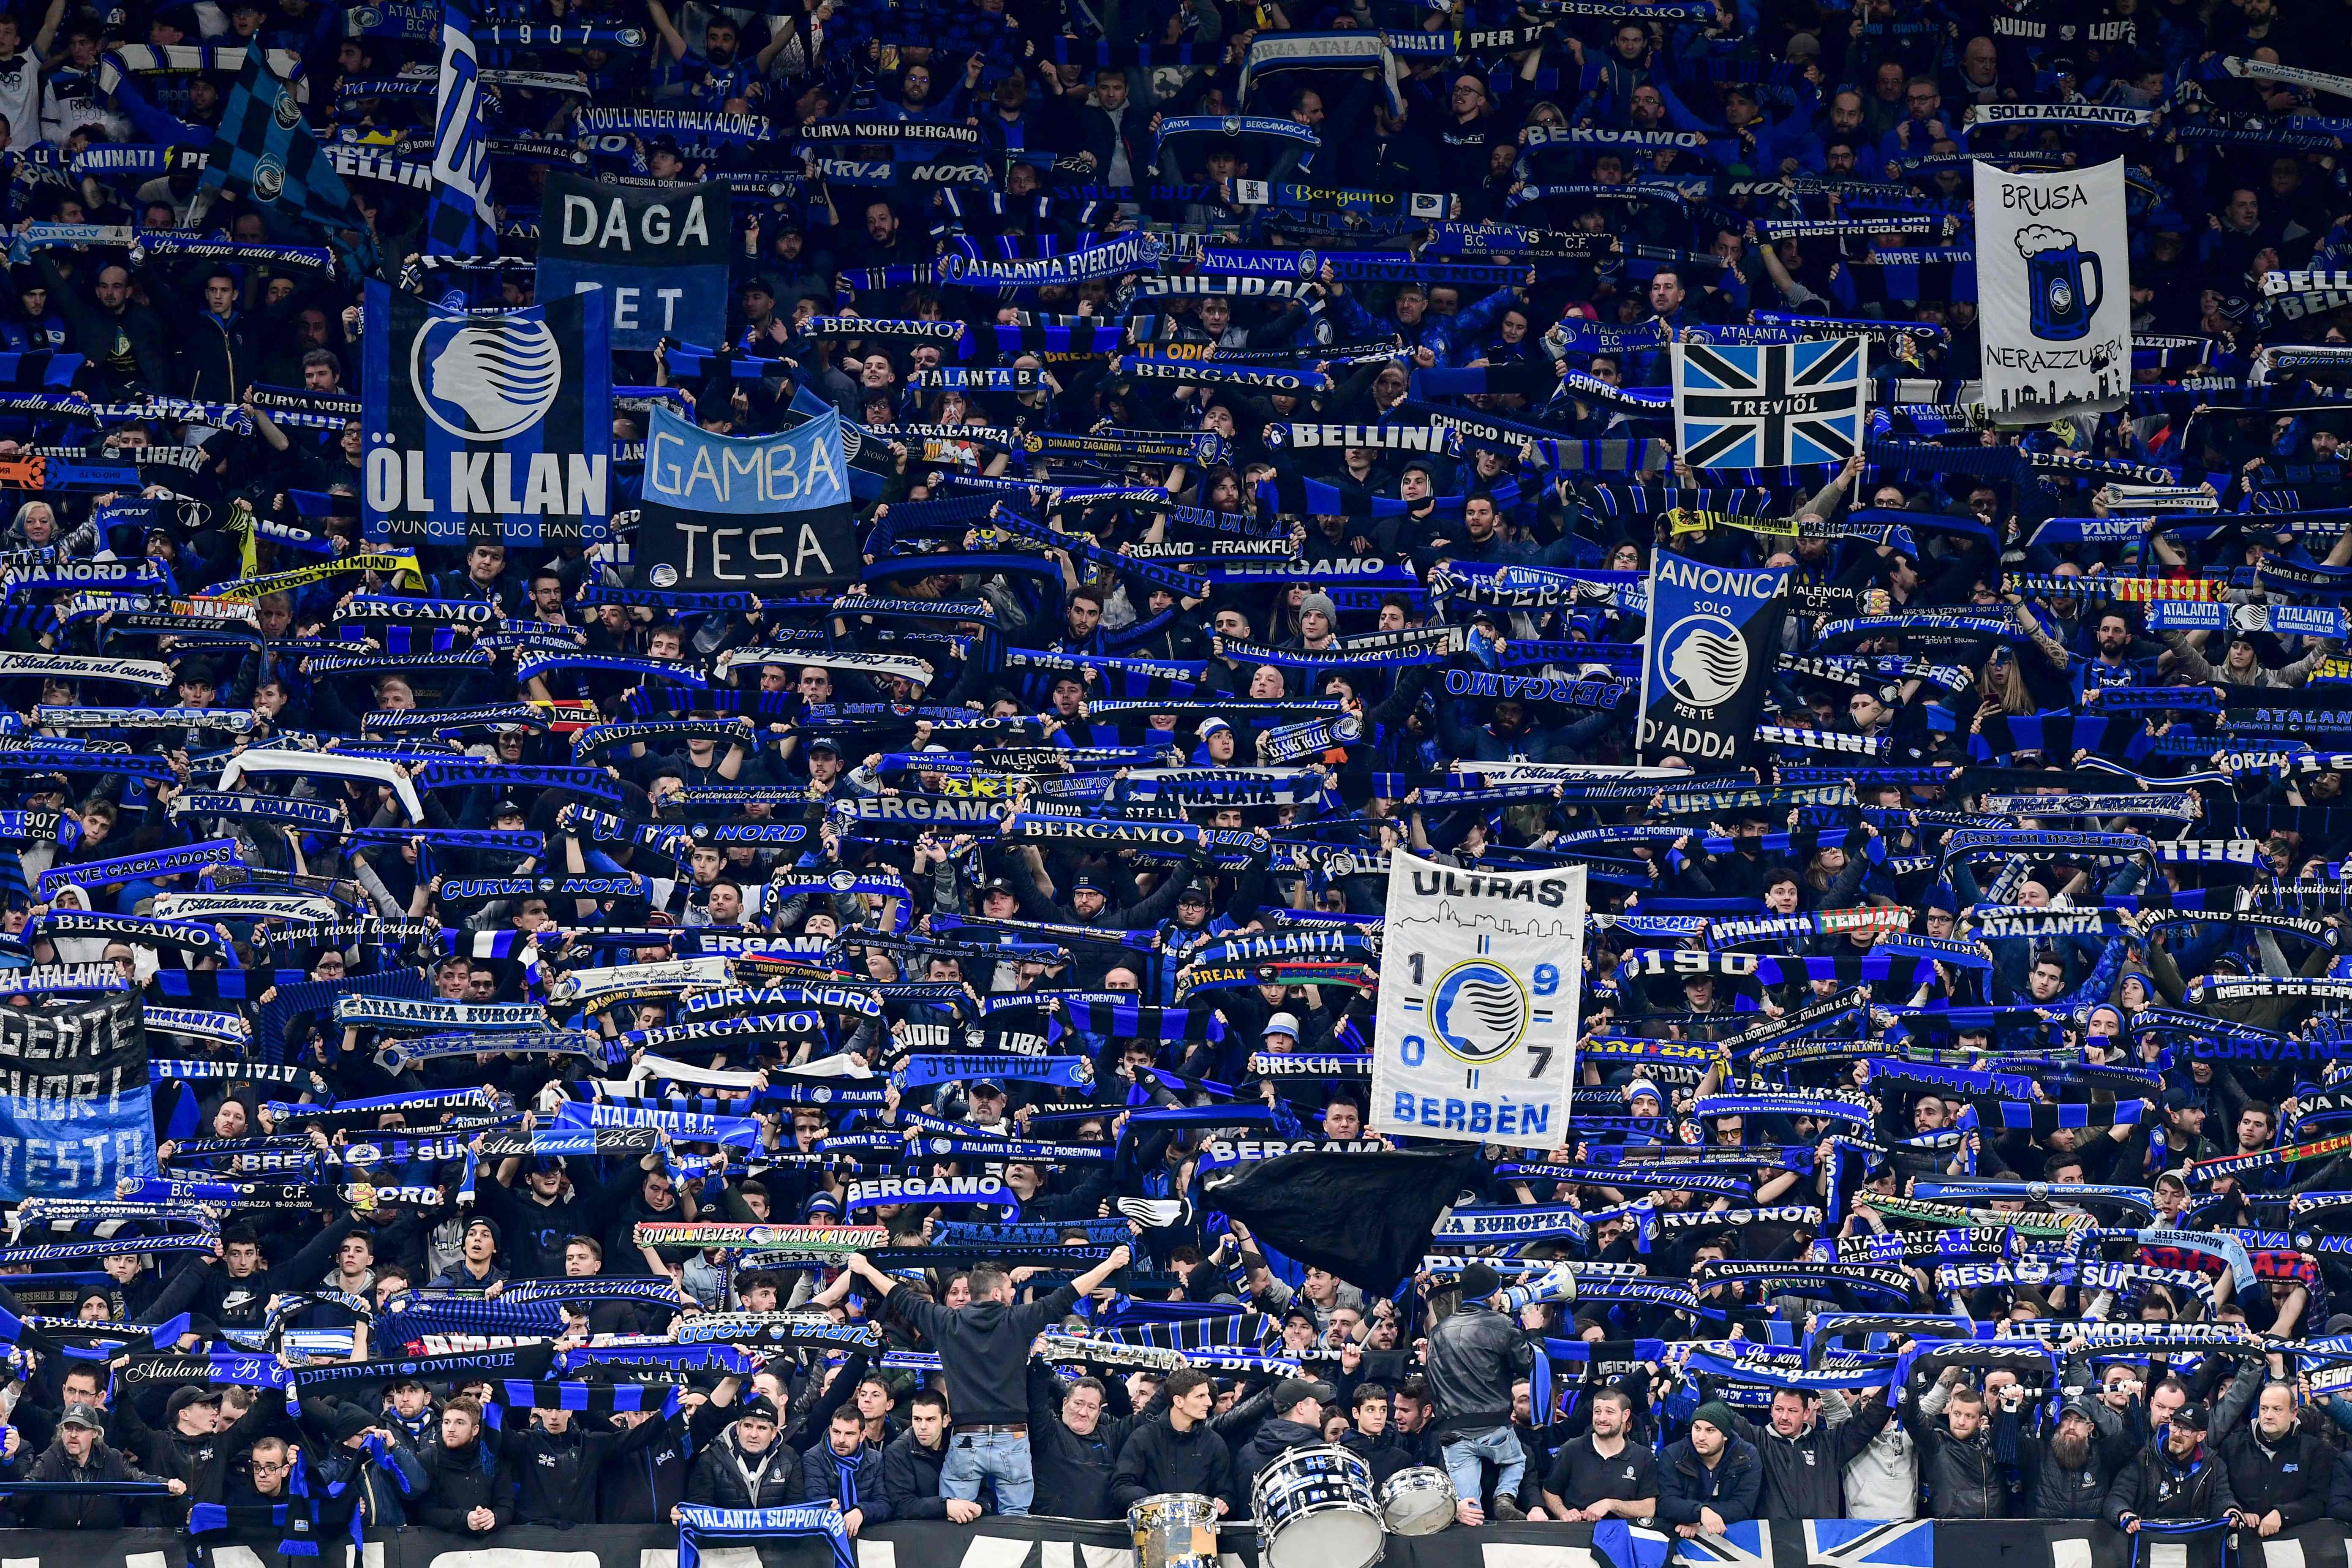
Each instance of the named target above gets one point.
<point>611,1000</point>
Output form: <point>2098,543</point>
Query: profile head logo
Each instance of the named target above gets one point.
<point>486,380</point>
<point>285,111</point>
<point>1705,659</point>
<point>664,576</point>
<point>1479,1011</point>
<point>268,180</point>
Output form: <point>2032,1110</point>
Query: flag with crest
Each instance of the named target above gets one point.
<point>265,151</point>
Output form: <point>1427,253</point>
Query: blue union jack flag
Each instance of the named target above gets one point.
<point>1768,406</point>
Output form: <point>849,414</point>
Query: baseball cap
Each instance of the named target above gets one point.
<point>1210,725</point>
<point>1194,893</point>
<point>81,1416</point>
<point>2191,1416</point>
<point>183,1397</point>
<point>1291,1389</point>
<point>759,285</point>
<point>759,1407</point>
<point>988,1085</point>
<point>1283,1023</point>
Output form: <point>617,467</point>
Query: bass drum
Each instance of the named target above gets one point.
<point>1418,1501</point>
<point>1315,1510</point>
<point>1174,1530</point>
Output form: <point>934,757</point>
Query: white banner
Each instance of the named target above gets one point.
<point>2053,279</point>
<point>1480,976</point>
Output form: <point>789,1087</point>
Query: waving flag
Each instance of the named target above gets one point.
<point>458,219</point>
<point>266,153</point>
<point>1768,406</point>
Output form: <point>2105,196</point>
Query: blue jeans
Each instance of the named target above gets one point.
<point>1000,1458</point>
<point>1500,1444</point>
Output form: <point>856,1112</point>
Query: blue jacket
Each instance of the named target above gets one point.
<point>853,1482</point>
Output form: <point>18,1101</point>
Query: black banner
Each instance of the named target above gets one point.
<point>760,512</point>
<point>1038,1542</point>
<point>75,1110</point>
<point>659,255</point>
<point>1057,1543</point>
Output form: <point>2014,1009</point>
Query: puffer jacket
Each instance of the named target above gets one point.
<point>1964,1481</point>
<point>726,1477</point>
<point>1474,1356</point>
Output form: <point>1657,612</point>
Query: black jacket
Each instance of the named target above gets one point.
<point>554,1473</point>
<point>1384,1457</point>
<point>2157,1485</point>
<point>82,1510</point>
<point>1964,1481</point>
<point>1159,1459</point>
<point>1269,1443</point>
<point>461,1480</point>
<point>216,360</point>
<point>1073,1473</point>
<point>1474,1356</point>
<point>726,1477</point>
<point>984,1350</point>
<point>643,1481</point>
<point>2061,1493</point>
<point>2291,1478</point>
<point>910,1477</point>
<point>1804,1477</point>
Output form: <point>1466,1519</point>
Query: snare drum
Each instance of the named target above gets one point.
<point>1174,1530</point>
<point>1315,1510</point>
<point>1418,1501</point>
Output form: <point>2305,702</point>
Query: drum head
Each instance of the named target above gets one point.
<point>1418,1501</point>
<point>1331,1538</point>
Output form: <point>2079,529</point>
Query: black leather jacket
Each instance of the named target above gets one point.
<point>1474,1356</point>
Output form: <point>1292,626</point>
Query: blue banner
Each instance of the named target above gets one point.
<point>493,425</point>
<point>1714,637</point>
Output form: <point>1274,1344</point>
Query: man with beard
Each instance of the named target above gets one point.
<point>2069,1481</point>
<point>2278,1473</point>
<point>1601,1475</point>
<point>2175,1476</point>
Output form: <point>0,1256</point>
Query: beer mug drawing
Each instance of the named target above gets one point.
<point>2062,304</point>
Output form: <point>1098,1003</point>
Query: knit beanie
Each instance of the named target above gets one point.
<point>1717,1414</point>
